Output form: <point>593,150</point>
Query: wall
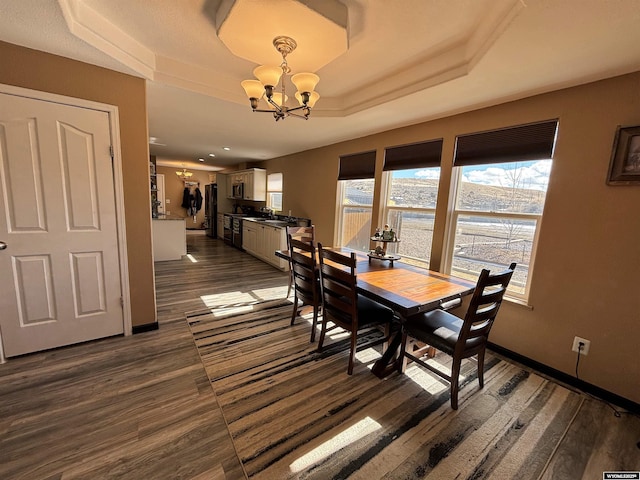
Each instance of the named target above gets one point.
<point>174,189</point>
<point>587,269</point>
<point>36,70</point>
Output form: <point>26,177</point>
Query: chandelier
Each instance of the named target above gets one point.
<point>268,78</point>
<point>184,174</point>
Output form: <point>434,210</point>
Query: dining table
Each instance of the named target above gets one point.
<point>406,289</point>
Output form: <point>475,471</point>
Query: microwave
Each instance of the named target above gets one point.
<point>237,190</point>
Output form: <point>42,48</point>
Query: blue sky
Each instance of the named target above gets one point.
<point>533,174</point>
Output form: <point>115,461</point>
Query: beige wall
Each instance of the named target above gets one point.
<point>587,272</point>
<point>174,189</point>
<point>49,73</point>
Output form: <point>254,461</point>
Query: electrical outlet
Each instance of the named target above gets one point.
<point>168,200</point>
<point>585,345</point>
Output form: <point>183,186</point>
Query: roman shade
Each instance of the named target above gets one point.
<point>522,143</point>
<point>357,166</point>
<point>415,155</point>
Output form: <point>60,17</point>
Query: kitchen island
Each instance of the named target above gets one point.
<point>169,236</point>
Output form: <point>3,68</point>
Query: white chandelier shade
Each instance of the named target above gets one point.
<point>268,76</point>
<point>184,174</point>
<point>305,82</point>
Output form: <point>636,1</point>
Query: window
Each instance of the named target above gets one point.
<point>356,206</point>
<point>410,211</point>
<point>412,177</point>
<point>501,183</point>
<point>274,191</point>
<point>355,199</point>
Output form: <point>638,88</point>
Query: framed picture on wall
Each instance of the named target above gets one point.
<point>624,168</point>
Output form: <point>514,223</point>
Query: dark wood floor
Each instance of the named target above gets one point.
<point>141,407</point>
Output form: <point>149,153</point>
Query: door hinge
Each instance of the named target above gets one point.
<point>111,152</point>
<point>122,302</point>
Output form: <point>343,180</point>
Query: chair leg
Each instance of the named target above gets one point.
<point>290,283</point>
<point>481,368</point>
<point>294,314</point>
<point>402,359</point>
<point>323,329</point>
<point>352,353</point>
<point>315,322</point>
<point>455,374</point>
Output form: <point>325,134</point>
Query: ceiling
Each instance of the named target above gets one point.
<point>400,62</point>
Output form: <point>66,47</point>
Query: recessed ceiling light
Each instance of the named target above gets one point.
<point>201,159</point>
<point>226,148</point>
<point>212,154</point>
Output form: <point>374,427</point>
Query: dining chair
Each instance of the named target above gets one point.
<point>304,234</point>
<point>459,338</point>
<point>343,307</point>
<point>306,280</point>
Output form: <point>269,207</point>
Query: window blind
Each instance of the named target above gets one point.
<point>521,143</point>
<point>357,166</point>
<point>415,155</point>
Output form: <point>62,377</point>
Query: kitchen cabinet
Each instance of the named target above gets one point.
<point>262,241</point>
<point>250,238</point>
<point>254,181</point>
<point>255,185</point>
<point>220,221</point>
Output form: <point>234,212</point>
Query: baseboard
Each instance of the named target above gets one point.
<point>568,379</point>
<point>147,327</point>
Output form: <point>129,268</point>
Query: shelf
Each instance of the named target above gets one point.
<point>384,257</point>
<point>388,258</point>
<point>379,239</point>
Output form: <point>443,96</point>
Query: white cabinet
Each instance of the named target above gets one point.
<point>262,241</point>
<point>220,221</point>
<point>254,181</point>
<point>249,237</point>
<point>255,185</point>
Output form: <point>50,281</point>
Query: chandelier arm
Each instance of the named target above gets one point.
<point>297,115</point>
<point>298,108</point>
<point>277,107</point>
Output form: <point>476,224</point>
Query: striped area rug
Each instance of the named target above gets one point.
<point>295,413</point>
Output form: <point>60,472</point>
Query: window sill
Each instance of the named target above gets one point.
<point>519,302</point>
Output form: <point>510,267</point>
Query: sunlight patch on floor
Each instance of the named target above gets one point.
<point>427,380</point>
<point>192,258</point>
<point>342,440</point>
<point>222,304</point>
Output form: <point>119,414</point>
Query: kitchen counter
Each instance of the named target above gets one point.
<point>270,222</point>
<point>169,218</point>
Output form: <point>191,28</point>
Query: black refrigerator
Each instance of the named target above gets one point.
<point>211,210</point>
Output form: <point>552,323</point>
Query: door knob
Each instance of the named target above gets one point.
<point>3,245</point>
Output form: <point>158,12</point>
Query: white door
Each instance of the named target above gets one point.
<point>60,279</point>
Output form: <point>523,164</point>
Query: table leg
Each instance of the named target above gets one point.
<point>387,364</point>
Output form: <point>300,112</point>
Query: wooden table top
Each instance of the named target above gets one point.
<point>404,288</point>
